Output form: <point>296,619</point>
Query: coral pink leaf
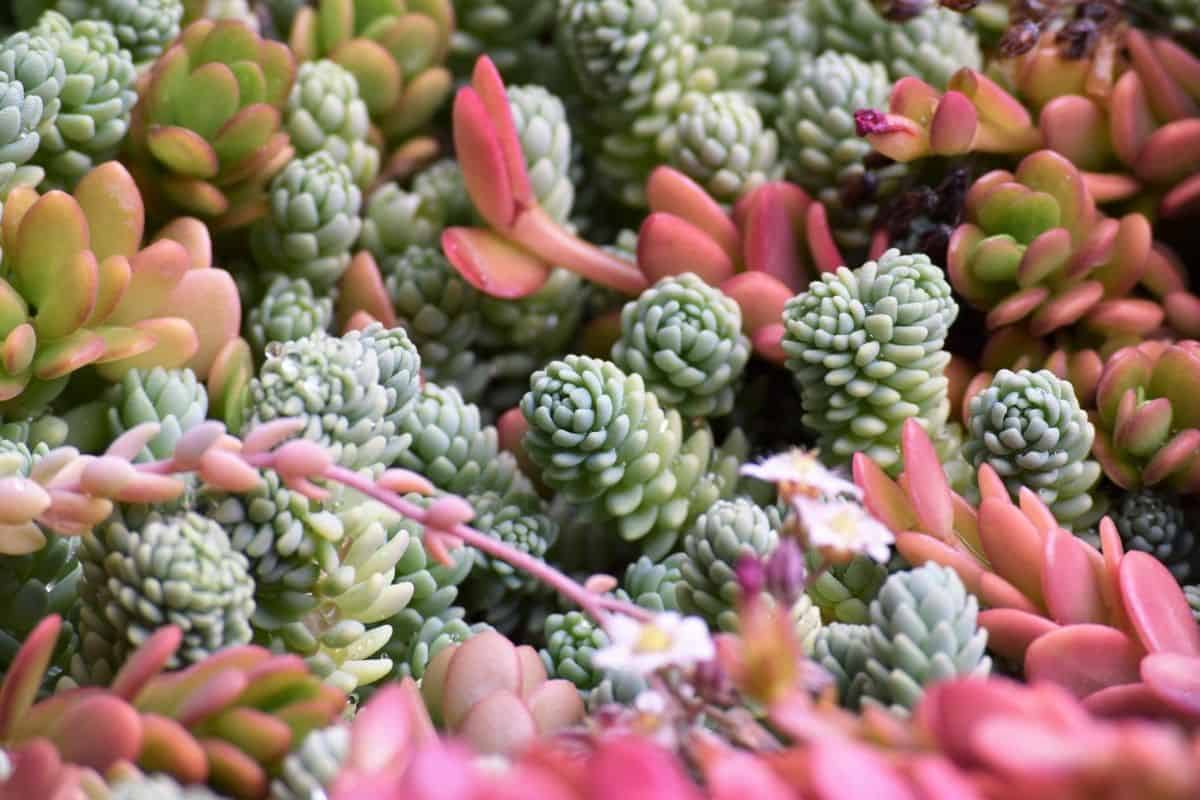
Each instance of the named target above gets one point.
<point>1127,700</point>
<point>1013,546</point>
<point>1183,312</point>
<point>1011,631</point>
<point>486,81</point>
<point>913,98</point>
<point>155,271</point>
<point>1036,511</point>
<point>1168,99</point>
<point>1030,747</point>
<point>769,232</point>
<point>98,732</point>
<point>25,673</point>
<point>266,436</point>
<point>484,664</point>
<point>669,191</point>
<point>1171,153</point>
<point>760,296</point>
<point>1084,659</point>
<point>1175,454</point>
<point>212,697</point>
<point>1181,64</point>
<point>1130,317</point>
<point>483,161</point>
<point>1109,187</point>
<point>1068,307</point>
<point>1130,119</point>
<point>147,661</point>
<point>1175,679</point>
<point>768,343</point>
<point>1157,606</point>
<point>928,488</point>
<point>1045,256</point>
<point>113,206</point>
<point>938,779</point>
<point>493,265</point>
<point>227,472</point>
<point>168,747</point>
<point>1184,198</point>
<point>990,485</point>
<point>499,724</point>
<point>190,232</point>
<point>231,770</point>
<point>996,592</point>
<point>361,289</point>
<point>670,245</point>
<point>209,300</point>
<point>555,705</point>
<point>1078,128</point>
<point>1069,582</point>
<point>821,246</point>
<point>952,129</point>
<point>882,496</point>
<point>918,548</point>
<point>536,231</point>
<point>848,771</point>
<point>894,136</point>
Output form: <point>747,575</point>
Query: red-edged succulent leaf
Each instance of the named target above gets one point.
<point>98,732</point>
<point>493,264</point>
<point>669,191</point>
<point>996,592</point>
<point>897,137</point>
<point>228,378</point>
<point>183,152</point>
<point>1157,606</point>
<point>917,549</point>
<point>1171,153</point>
<point>484,167</point>
<point>112,204</point>
<point>175,342</point>
<point>25,673</point>
<point>772,218</point>
<point>928,489</point>
<point>1078,128</point>
<point>245,133</point>
<point>954,124</point>
<point>1084,658</point>
<point>195,238</point>
<point>819,235</point>
<point>1184,198</point>
<point>1167,98</point>
<point>378,76</point>
<point>554,244</point>
<point>1174,678</point>
<point>1011,631</point>
<point>1070,584</point>
<point>669,245</point>
<point>65,310</point>
<point>1013,546</point>
<point>168,747</point>
<point>208,299</point>
<point>53,232</point>
<point>486,81</point>
<point>234,772</point>
<point>419,101</point>
<point>760,296</point>
<point>63,356</point>
<point>882,496</point>
<point>361,289</point>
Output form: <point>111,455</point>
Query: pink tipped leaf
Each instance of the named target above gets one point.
<point>492,264</point>
<point>1073,592</point>
<point>1157,606</point>
<point>486,81</point>
<point>670,245</point>
<point>669,191</point>
<point>1084,659</point>
<point>1011,631</point>
<point>484,167</point>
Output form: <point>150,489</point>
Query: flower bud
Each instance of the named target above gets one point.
<point>785,573</point>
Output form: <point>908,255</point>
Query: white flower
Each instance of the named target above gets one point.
<point>845,527</point>
<point>646,647</point>
<point>801,468</point>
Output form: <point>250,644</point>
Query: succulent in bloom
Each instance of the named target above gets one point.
<point>439,310</point>
<point>96,99</point>
<point>540,120</point>
<point>80,289</point>
<point>311,769</point>
<point>820,145</point>
<point>720,537</point>
<point>353,391</point>
<point>1146,431</point>
<point>174,399</point>
<point>865,347</point>
<point>1157,524</point>
<point>685,339</point>
<point>1034,248</point>
<point>143,27</point>
<point>496,695</point>
<point>721,141</point>
<point>313,220</point>
<point>1028,426</point>
<point>204,140</point>
<point>843,592</point>
<point>395,49</point>
<point>666,640</point>
<point>324,112</point>
<point>601,440</point>
<point>142,574</point>
<point>289,310</point>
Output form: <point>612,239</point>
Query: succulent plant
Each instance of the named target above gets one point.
<point>39,584</point>
<point>157,787</point>
<point>143,27</point>
<point>1146,431</point>
<point>144,571</point>
<point>395,219</point>
<point>540,120</point>
<point>453,449</point>
<point>721,141</point>
<point>865,347</point>
<point>1028,426</point>
<point>807,623</point>
<point>654,586</point>
<point>310,770</point>
<point>820,146</point>
<point>518,521</point>
<point>1157,524</point>
<point>31,57</point>
<point>495,695</point>
<point>324,112</point>
<point>395,49</point>
<point>843,593</point>
<point>352,391</point>
<point>174,399</point>
<point>716,541</point>
<point>843,650</point>
<point>440,312</point>
<point>1192,593</point>
<point>507,30</point>
<point>685,339</point>
<point>591,428</point>
<point>204,141</point>
<point>289,310</point>
<point>543,322</point>
<point>96,99</point>
<point>313,221</point>
<point>411,654</point>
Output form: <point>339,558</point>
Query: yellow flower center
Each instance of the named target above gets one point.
<point>844,523</point>
<point>652,640</point>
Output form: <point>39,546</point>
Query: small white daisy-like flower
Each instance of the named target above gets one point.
<point>646,647</point>
<point>802,469</point>
<point>844,527</point>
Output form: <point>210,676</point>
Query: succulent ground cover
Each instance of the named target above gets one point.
<point>590,399</point>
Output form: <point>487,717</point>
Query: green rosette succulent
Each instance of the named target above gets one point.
<point>866,349</point>
<point>542,323</point>
<point>325,112</point>
<point>36,585</point>
<point>603,442</point>
<point>520,523</point>
<point>172,398</point>
<point>309,771</point>
<point>204,140</point>
<point>450,445</point>
<point>22,114</point>
<point>540,120</point>
<point>143,571</point>
<point>440,311</point>
<point>435,635</point>
<point>654,586</point>
<point>394,48</point>
<point>806,622</point>
<point>572,639</point>
<point>792,38</point>
<point>1028,426</point>
<point>97,99</point>
<point>31,57</point>
<point>821,147</point>
<point>1157,524</point>
<point>395,219</point>
<point>353,392</point>
<point>685,339</point>
<point>508,31</point>
<point>313,222</point>
<point>143,27</point>
<point>721,142</point>
<point>289,310</point>
<point>843,593</point>
<point>843,650</point>
<point>717,540</point>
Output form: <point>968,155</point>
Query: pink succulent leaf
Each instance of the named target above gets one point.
<point>486,81</point>
<point>628,767</point>
<point>484,168</point>
<point>671,245</point>
<point>761,298</point>
<point>844,770</point>
<point>1157,606</point>
<point>884,498</point>
<point>821,245</point>
<point>1070,583</point>
<point>1174,678</point>
<point>768,343</point>
<point>671,192</point>
<point>1013,546</point>
<point>954,125</point>
<point>25,674</point>
<point>918,548</point>
<point>775,214</point>
<point>1084,659</point>
<point>1011,631</point>
<point>492,264</point>
<point>928,488</point>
